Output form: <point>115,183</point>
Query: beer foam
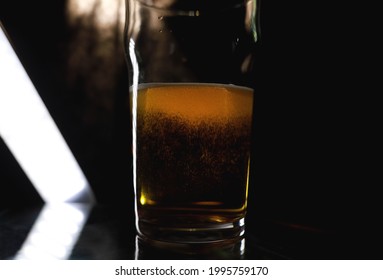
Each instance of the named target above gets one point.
<point>196,102</point>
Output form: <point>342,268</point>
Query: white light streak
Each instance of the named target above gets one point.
<point>32,136</point>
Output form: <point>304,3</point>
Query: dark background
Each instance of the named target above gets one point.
<point>307,170</point>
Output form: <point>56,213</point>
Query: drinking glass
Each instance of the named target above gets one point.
<point>191,96</point>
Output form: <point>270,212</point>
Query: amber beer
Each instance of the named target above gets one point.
<point>191,159</point>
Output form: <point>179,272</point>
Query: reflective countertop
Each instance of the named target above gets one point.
<point>104,232</point>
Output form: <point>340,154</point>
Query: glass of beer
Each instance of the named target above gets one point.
<point>191,96</point>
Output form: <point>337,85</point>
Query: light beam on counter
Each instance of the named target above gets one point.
<point>55,232</point>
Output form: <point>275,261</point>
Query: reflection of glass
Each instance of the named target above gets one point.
<point>55,232</point>
<point>157,250</point>
<point>191,92</point>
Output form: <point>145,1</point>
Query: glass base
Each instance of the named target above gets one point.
<point>148,249</point>
<point>228,232</point>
